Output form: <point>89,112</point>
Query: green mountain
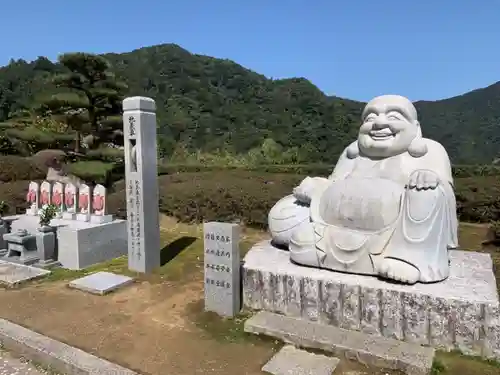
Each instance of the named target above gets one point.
<point>207,103</point>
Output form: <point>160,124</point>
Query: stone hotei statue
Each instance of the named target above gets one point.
<point>387,209</point>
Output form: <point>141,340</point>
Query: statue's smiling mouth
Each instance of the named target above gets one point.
<point>381,134</point>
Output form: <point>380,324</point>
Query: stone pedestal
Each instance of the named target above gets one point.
<point>33,210</point>
<point>83,217</point>
<point>46,244</point>
<point>68,216</point>
<point>101,219</point>
<point>21,247</point>
<point>459,313</point>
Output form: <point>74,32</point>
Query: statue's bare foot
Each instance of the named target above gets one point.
<point>398,270</point>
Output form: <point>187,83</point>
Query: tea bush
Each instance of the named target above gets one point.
<point>233,196</point>
<point>459,171</point>
<point>246,196</point>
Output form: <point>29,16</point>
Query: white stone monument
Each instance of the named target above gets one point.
<point>99,206</point>
<point>387,209</point>
<point>70,201</point>
<point>45,193</point>
<point>33,198</point>
<point>84,203</point>
<point>58,197</point>
<point>141,174</point>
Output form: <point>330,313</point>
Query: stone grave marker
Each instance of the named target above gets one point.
<point>222,268</point>
<point>45,193</point>
<point>99,203</point>
<point>33,198</point>
<point>141,174</point>
<point>70,201</point>
<point>84,203</point>
<point>58,197</point>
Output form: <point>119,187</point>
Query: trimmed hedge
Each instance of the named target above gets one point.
<point>233,196</point>
<point>246,197</point>
<point>478,198</point>
<point>459,171</point>
<point>14,194</point>
<point>96,172</point>
<point>15,168</point>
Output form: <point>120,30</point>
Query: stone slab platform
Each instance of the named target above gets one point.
<point>101,282</point>
<point>368,349</point>
<point>13,274</point>
<point>81,244</point>
<point>292,361</point>
<point>53,354</point>
<point>461,312</point>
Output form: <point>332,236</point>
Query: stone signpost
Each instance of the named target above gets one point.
<point>139,126</point>
<point>222,268</point>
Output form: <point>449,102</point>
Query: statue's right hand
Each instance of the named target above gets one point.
<point>304,191</point>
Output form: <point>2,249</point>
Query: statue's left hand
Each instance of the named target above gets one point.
<point>423,180</point>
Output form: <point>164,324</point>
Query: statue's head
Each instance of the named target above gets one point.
<point>390,125</point>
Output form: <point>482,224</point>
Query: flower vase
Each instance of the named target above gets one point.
<point>46,243</point>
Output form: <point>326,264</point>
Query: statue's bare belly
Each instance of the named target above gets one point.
<point>364,204</point>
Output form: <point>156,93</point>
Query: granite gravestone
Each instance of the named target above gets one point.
<point>141,172</point>
<point>222,268</point>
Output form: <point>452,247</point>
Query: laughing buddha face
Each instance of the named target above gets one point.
<point>389,126</point>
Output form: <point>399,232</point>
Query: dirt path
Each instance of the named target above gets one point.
<point>157,325</point>
<point>149,328</point>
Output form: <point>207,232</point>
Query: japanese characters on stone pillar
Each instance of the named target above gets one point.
<point>222,268</point>
<point>139,127</point>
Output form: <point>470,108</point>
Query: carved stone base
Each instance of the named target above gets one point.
<point>82,217</point>
<point>101,219</point>
<point>461,312</point>
<point>82,244</point>
<point>68,216</point>
<point>32,211</point>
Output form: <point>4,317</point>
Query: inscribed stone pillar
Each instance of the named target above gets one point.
<point>139,123</point>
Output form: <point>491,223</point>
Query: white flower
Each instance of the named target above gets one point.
<point>45,206</point>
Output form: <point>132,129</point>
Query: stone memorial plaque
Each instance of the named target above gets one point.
<point>222,268</point>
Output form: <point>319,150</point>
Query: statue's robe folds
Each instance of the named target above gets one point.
<point>366,212</point>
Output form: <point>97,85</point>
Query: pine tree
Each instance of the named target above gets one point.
<point>89,101</point>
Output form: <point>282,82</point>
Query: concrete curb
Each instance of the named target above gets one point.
<point>368,349</point>
<point>54,354</point>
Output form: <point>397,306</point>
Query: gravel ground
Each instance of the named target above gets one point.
<point>10,365</point>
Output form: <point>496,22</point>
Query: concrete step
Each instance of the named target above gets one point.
<point>368,349</point>
<point>292,361</point>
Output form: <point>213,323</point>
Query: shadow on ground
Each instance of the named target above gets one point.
<point>170,251</point>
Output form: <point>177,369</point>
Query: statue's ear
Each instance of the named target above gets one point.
<point>352,150</point>
<point>419,130</point>
<point>418,147</point>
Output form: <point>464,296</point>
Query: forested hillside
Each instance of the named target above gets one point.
<point>211,104</point>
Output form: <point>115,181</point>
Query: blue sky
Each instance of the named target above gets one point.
<point>423,49</point>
